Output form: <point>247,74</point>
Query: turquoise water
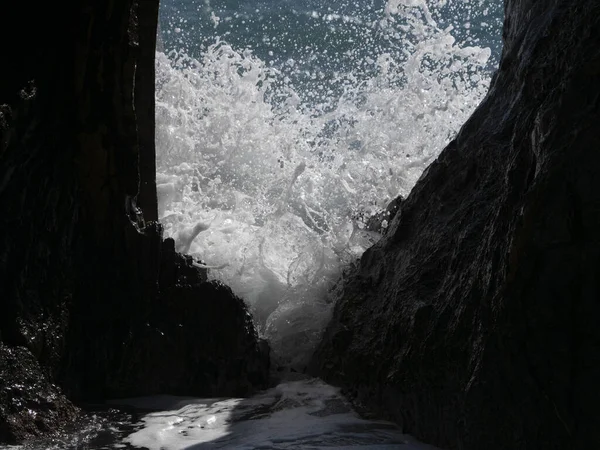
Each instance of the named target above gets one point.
<point>329,38</point>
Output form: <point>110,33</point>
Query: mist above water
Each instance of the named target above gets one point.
<point>282,128</point>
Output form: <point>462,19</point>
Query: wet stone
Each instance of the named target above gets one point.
<point>29,403</point>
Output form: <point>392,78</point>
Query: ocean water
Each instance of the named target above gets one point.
<point>284,126</point>
<point>304,414</point>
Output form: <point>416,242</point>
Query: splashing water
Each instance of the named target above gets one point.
<point>269,167</point>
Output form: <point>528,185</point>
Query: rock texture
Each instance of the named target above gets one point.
<point>92,298</point>
<point>29,403</point>
<point>474,321</point>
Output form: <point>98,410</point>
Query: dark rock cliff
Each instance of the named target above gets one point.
<point>92,299</point>
<point>474,322</point>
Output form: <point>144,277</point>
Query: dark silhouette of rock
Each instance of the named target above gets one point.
<point>149,38</point>
<point>197,339</point>
<point>89,290</point>
<point>474,321</point>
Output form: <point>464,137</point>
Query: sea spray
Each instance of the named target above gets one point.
<point>288,160</point>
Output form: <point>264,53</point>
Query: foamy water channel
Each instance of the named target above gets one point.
<point>304,414</point>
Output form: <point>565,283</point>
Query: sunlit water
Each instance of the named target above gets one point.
<point>295,415</point>
<point>282,127</point>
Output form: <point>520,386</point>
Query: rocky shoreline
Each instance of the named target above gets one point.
<point>472,323</point>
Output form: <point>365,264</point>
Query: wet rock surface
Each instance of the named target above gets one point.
<point>29,403</point>
<point>473,322</point>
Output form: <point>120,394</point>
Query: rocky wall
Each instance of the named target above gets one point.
<point>474,322</point>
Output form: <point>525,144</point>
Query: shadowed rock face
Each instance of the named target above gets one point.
<point>92,298</point>
<point>474,321</point>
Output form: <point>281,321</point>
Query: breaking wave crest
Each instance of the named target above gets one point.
<point>276,173</point>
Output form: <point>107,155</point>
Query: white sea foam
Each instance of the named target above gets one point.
<point>286,184</point>
<point>305,414</point>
